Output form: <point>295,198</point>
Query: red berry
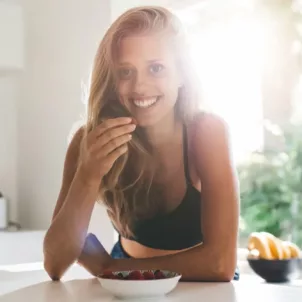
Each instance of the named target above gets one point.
<point>159,275</point>
<point>135,275</point>
<point>148,275</point>
<point>109,276</point>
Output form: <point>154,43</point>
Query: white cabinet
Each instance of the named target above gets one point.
<point>11,37</point>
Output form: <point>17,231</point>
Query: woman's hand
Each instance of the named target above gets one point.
<point>94,258</point>
<point>103,146</point>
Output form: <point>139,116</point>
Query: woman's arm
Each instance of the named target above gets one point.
<point>215,260</point>
<point>65,238</point>
<point>87,161</point>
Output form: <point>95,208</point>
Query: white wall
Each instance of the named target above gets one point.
<point>11,36</point>
<point>11,62</point>
<point>120,6</point>
<point>9,90</point>
<point>61,40</point>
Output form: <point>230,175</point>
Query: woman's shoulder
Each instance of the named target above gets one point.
<point>206,125</point>
<point>208,135</point>
<point>73,150</point>
<point>209,144</point>
<point>76,138</point>
<point>76,134</point>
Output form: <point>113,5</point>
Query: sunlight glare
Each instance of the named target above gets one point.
<point>230,60</point>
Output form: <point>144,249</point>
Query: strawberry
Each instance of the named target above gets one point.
<point>135,275</point>
<point>159,275</point>
<point>148,276</point>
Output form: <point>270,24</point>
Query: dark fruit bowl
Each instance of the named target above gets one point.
<point>276,270</point>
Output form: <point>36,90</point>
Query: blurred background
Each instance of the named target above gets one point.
<point>249,58</point>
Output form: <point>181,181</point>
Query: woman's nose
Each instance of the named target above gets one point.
<point>140,83</point>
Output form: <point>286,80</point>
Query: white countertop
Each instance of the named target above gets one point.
<point>29,282</point>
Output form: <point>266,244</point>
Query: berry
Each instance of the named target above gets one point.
<point>135,275</point>
<point>159,275</point>
<point>109,276</point>
<point>148,276</point>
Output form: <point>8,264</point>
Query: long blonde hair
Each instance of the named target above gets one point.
<point>127,190</point>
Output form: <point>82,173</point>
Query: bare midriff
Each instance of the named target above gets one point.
<point>137,250</point>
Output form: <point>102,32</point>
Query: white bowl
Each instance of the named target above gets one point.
<point>134,289</point>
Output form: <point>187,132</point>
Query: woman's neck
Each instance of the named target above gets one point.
<point>162,132</point>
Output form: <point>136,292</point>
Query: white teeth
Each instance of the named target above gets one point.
<point>147,102</point>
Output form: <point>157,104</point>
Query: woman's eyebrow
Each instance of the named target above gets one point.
<point>124,64</point>
<point>148,61</point>
<point>154,61</point>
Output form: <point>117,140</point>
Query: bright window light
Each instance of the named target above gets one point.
<point>229,58</point>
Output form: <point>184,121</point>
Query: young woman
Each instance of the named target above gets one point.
<point>162,168</point>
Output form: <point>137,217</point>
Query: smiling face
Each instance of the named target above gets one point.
<point>148,78</point>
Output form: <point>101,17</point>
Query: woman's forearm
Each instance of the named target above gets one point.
<point>65,238</point>
<point>201,263</point>
<point>197,264</point>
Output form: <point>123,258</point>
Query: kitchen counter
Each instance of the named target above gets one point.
<point>29,282</point>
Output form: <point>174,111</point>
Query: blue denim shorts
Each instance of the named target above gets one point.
<point>118,252</point>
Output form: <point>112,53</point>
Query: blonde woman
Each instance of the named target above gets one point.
<point>162,168</point>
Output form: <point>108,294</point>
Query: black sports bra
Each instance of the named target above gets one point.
<point>179,229</point>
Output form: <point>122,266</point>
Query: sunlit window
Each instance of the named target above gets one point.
<point>229,59</point>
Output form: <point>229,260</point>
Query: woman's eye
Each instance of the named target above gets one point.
<point>125,73</point>
<point>156,68</point>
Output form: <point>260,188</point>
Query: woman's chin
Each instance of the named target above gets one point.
<point>146,122</point>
